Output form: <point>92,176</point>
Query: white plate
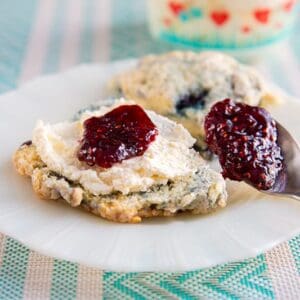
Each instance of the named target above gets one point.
<point>251,224</point>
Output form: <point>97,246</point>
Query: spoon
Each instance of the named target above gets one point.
<point>234,131</point>
<point>288,180</point>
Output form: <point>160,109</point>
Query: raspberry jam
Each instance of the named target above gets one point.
<point>245,140</point>
<point>122,133</point>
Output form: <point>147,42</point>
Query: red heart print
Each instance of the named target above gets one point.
<point>220,17</point>
<point>167,22</point>
<point>176,7</point>
<point>262,15</point>
<point>246,29</point>
<point>288,5</point>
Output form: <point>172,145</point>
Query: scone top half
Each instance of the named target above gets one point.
<point>184,85</point>
<point>169,177</point>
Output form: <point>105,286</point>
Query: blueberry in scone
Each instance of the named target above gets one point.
<point>184,85</point>
<point>121,163</point>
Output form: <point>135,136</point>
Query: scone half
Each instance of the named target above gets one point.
<point>199,191</point>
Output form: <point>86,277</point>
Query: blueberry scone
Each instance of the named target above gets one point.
<point>184,85</point>
<point>121,163</point>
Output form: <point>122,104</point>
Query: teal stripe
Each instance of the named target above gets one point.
<point>219,44</point>
<point>132,285</point>
<point>186,276</point>
<point>130,34</point>
<point>176,290</point>
<point>260,288</point>
<point>221,291</point>
<point>13,270</point>
<point>64,280</point>
<point>87,32</point>
<point>295,248</point>
<point>119,284</point>
<point>56,38</point>
<point>124,29</point>
<point>107,275</point>
<point>16,21</point>
<point>232,271</point>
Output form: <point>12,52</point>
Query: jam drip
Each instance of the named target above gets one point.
<point>245,140</point>
<point>122,133</point>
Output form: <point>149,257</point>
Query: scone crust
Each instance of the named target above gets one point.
<point>115,207</point>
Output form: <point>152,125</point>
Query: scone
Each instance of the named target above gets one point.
<point>121,163</point>
<point>184,85</point>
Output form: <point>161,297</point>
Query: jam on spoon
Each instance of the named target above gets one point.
<point>245,140</point>
<point>122,133</point>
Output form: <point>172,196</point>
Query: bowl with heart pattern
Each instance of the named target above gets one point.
<point>222,24</point>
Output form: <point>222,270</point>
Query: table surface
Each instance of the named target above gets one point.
<point>47,36</point>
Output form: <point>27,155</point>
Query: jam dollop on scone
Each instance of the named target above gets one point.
<point>121,163</point>
<point>122,133</point>
<point>245,139</point>
<point>184,85</point>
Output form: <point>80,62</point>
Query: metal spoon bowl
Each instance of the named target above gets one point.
<point>288,181</point>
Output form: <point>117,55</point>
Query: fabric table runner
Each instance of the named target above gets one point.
<point>45,36</point>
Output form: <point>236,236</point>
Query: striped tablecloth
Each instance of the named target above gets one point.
<point>51,35</point>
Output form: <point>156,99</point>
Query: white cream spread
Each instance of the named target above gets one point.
<point>169,157</point>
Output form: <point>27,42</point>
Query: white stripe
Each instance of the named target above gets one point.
<point>102,30</point>
<point>38,277</point>
<point>71,35</point>
<point>283,272</point>
<point>89,283</point>
<point>38,42</point>
<point>39,268</point>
